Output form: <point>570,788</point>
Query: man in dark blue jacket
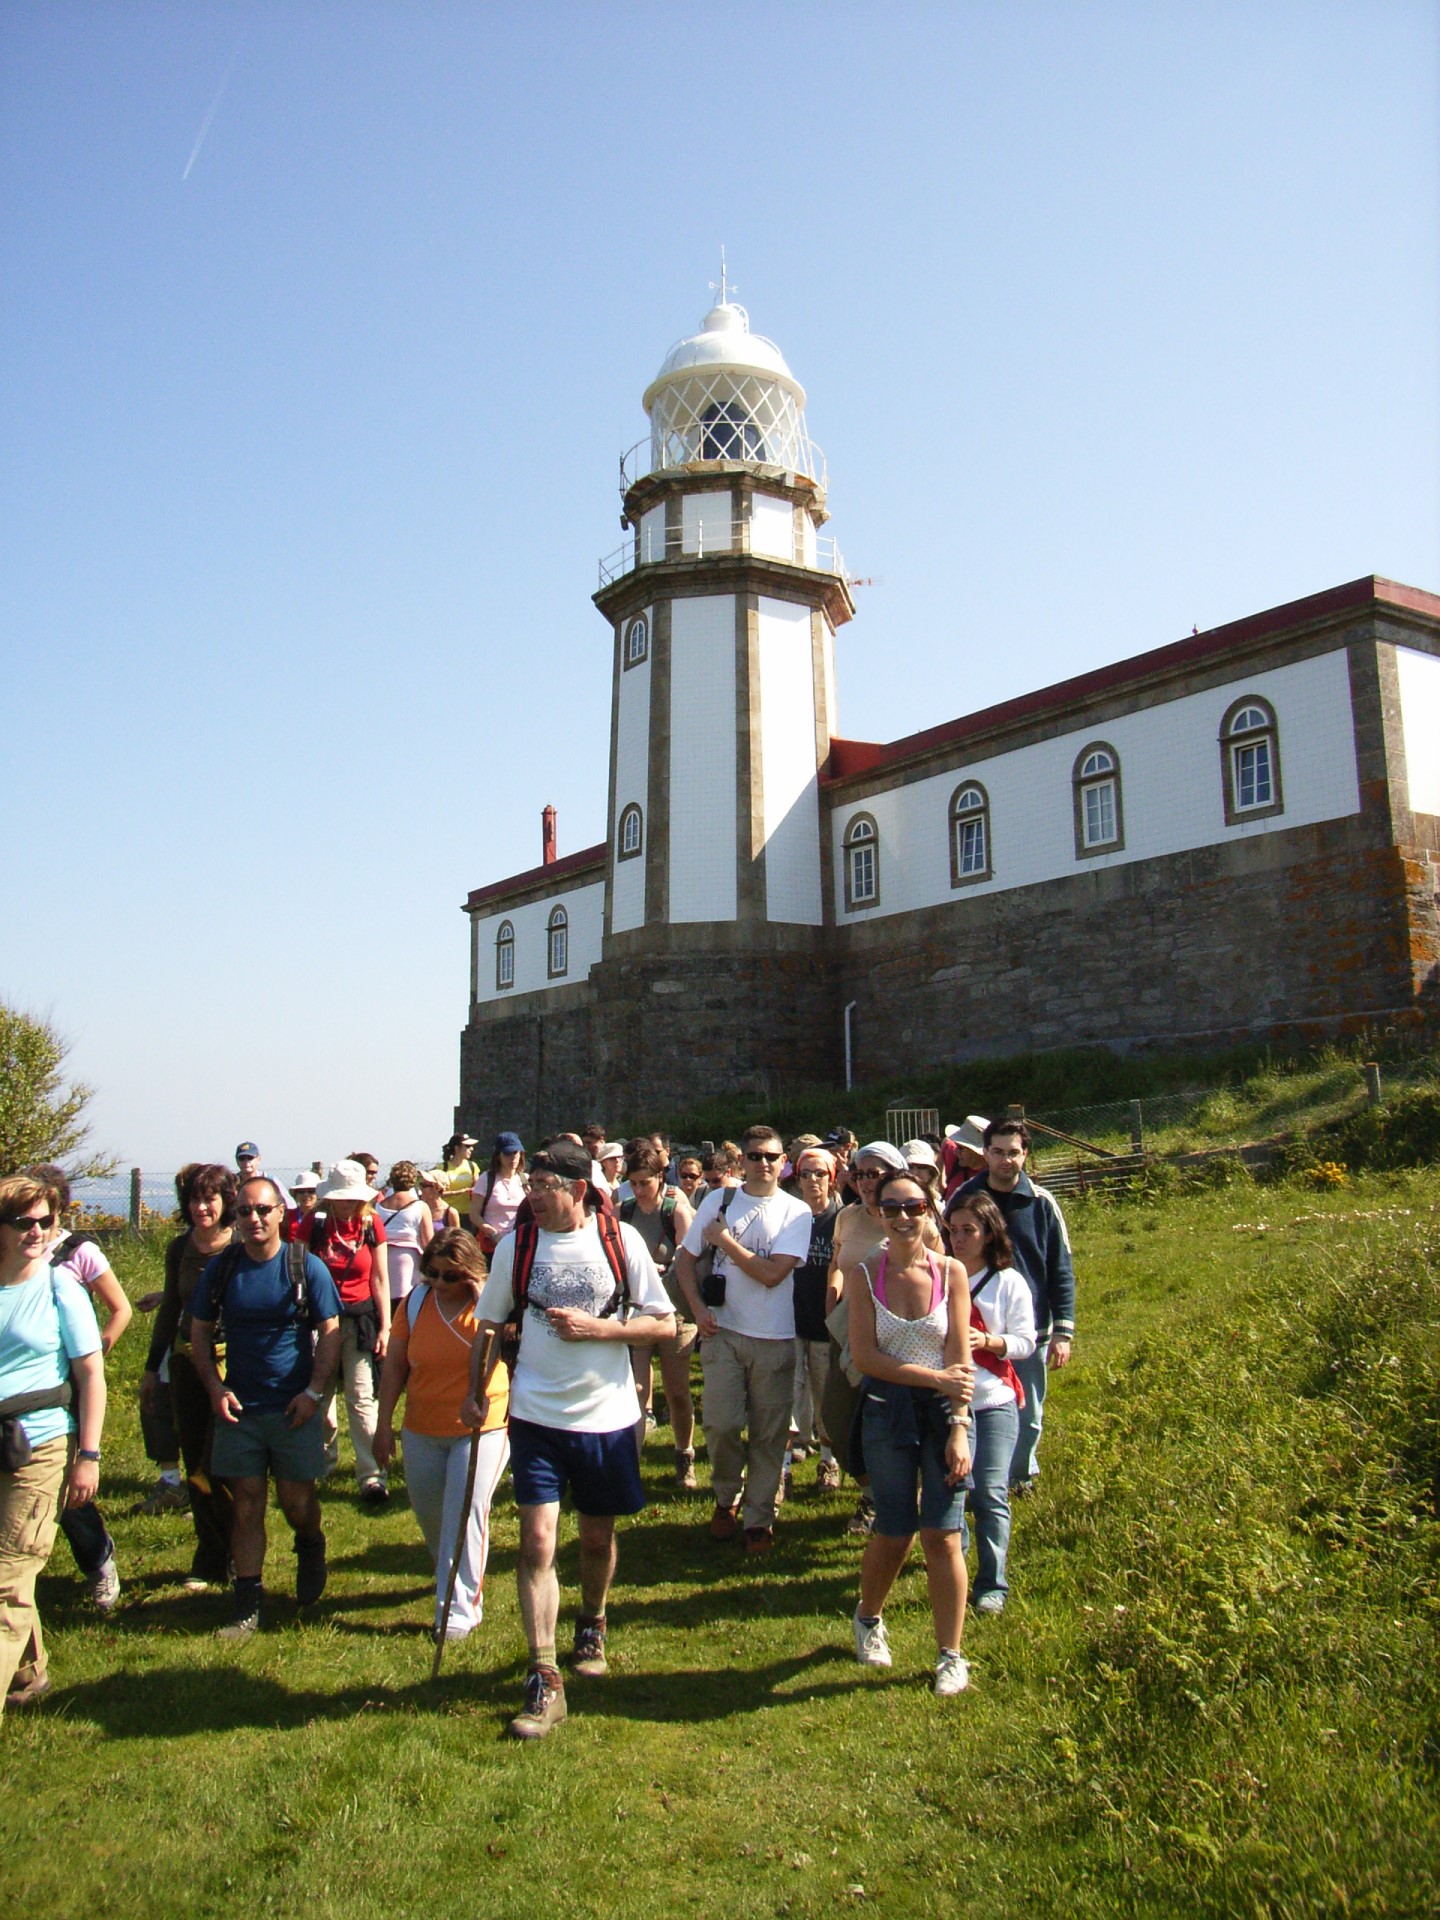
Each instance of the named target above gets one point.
<point>1042,1254</point>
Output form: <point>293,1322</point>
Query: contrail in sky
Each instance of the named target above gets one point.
<point>205,123</point>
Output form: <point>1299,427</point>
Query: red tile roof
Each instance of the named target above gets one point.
<point>851,757</point>
<point>556,870</point>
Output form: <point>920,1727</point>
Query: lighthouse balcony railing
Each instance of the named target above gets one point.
<point>649,547</point>
<point>710,444</point>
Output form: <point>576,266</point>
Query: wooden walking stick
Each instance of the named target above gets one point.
<point>489,1355</point>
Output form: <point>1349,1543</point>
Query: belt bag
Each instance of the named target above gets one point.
<point>15,1448</point>
<point>711,1284</point>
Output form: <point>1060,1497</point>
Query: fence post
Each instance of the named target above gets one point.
<point>136,1191</point>
<point>1372,1081</point>
<point>1137,1127</point>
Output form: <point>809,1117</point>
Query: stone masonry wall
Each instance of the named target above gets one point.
<point>1296,932</point>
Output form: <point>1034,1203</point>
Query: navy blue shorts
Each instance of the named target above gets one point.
<point>602,1470</point>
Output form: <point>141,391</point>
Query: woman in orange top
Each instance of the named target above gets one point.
<point>428,1360</point>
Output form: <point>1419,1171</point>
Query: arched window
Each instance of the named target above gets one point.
<point>969,835</point>
<point>637,641</point>
<point>862,862</point>
<point>631,835</point>
<point>1250,761</point>
<point>557,933</point>
<point>1099,814</point>
<point>505,956</point>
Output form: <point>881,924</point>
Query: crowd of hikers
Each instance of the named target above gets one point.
<point>890,1310</point>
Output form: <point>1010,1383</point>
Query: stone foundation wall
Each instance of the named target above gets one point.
<point>1309,931</point>
<point>1321,930</point>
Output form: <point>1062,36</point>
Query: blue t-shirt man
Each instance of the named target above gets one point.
<point>269,1345</point>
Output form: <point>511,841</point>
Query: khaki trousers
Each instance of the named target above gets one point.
<point>29,1516</point>
<point>749,1385</point>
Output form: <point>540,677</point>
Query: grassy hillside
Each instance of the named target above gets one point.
<point>1215,1690</point>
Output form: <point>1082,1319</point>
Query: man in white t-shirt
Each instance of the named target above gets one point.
<point>747,1351</point>
<point>573,1407</point>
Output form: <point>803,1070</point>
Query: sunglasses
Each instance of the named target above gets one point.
<point>32,1223</point>
<point>258,1212</point>
<point>871,1173</point>
<point>814,1173</point>
<point>769,1158</point>
<point>912,1209</point>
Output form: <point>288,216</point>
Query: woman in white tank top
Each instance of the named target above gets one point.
<point>910,1338</point>
<point>408,1225</point>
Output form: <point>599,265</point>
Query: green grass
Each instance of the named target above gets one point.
<point>1215,1690</point>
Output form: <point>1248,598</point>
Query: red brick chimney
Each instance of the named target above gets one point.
<point>547,836</point>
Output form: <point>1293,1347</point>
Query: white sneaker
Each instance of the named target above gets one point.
<point>104,1584</point>
<point>952,1674</point>
<point>872,1649</point>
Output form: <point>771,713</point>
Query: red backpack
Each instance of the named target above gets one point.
<point>527,1241</point>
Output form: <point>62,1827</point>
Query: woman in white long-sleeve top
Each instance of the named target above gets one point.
<point>1002,1318</point>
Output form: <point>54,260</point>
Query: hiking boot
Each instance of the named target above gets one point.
<point>785,1488</point>
<point>310,1569</point>
<point>246,1621</point>
<point>374,1494</point>
<point>29,1693</point>
<point>588,1659</point>
<point>872,1649</point>
<point>685,1469</point>
<point>990,1603</point>
<point>544,1706</point>
<point>759,1539</point>
<point>166,1496</point>
<point>827,1480</point>
<point>650,1421</point>
<point>862,1521</point>
<point>952,1674</point>
<point>104,1583</point>
<point>724,1523</point>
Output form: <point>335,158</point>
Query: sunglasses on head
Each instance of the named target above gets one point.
<point>912,1209</point>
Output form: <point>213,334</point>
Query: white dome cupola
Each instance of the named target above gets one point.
<point>725,393</point>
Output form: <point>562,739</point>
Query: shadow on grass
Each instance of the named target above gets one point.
<point>177,1702</point>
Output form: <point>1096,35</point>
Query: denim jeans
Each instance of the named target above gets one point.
<point>1026,1462</point>
<point>993,1441</point>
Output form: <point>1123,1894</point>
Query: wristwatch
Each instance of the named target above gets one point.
<point>88,1453</point>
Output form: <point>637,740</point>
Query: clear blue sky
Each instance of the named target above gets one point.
<point>1114,320</point>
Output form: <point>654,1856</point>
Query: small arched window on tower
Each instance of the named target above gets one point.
<point>728,433</point>
<point>557,936</point>
<point>631,837</point>
<point>862,862</point>
<point>1099,814</point>
<point>637,641</point>
<point>505,956</point>
<point>1250,761</point>
<point>969,835</point>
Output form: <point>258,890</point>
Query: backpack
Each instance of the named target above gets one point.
<point>71,1244</point>
<point>527,1242</point>
<point>668,1203</point>
<point>230,1258</point>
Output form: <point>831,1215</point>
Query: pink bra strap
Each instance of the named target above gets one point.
<point>878,1290</point>
<point>937,1281</point>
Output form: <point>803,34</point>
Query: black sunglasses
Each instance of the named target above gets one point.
<point>912,1209</point>
<point>28,1222</point>
<point>769,1158</point>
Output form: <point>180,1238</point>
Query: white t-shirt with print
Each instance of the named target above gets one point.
<point>778,1224</point>
<point>580,1386</point>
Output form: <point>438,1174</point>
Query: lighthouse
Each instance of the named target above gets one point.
<point>723,605</point>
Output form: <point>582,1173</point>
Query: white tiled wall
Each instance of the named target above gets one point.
<point>702,758</point>
<point>1172,797</point>
<point>632,784</point>
<point>1420,724</point>
<point>586,909</point>
<point>652,535</point>
<point>706,526</point>
<point>772,527</point>
<point>791,786</point>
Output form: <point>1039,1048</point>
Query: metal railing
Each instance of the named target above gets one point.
<point>644,550</point>
<point>679,453</point>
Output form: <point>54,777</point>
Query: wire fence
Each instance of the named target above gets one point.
<point>136,1196</point>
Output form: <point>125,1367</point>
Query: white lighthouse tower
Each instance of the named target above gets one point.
<point>724,601</point>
